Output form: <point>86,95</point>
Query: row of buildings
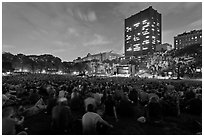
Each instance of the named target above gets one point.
<point>99,57</point>
<point>143,34</point>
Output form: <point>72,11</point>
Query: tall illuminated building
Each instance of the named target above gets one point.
<point>142,32</point>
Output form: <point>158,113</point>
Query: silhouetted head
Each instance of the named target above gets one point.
<point>90,108</point>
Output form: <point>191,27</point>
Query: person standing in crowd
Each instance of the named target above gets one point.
<point>61,117</point>
<point>110,107</point>
<point>75,102</point>
<point>91,121</point>
<point>52,101</point>
<point>143,97</point>
<point>154,110</point>
<point>97,98</point>
<point>133,96</point>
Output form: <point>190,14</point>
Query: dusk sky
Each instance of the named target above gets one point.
<point>71,30</point>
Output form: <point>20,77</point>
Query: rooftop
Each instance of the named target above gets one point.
<point>191,32</point>
<point>150,7</point>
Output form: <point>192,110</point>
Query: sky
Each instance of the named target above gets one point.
<point>70,30</point>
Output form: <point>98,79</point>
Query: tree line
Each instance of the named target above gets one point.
<point>39,63</point>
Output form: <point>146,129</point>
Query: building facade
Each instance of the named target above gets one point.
<point>143,31</point>
<point>164,47</point>
<point>100,57</point>
<point>188,38</point>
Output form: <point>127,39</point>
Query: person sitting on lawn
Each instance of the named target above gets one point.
<point>91,121</point>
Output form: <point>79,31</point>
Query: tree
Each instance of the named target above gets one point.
<point>67,67</point>
<point>57,63</point>
<point>7,66</point>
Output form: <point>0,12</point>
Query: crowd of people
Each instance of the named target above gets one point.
<point>61,96</point>
<point>160,62</point>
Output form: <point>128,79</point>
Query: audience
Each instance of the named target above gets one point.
<point>95,99</point>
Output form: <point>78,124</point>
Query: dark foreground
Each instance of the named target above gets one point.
<point>184,124</point>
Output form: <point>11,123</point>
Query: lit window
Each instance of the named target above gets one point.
<point>195,37</point>
<point>145,33</point>
<point>136,24</point>
<point>147,25</point>
<point>129,49</point>
<point>147,37</point>
<point>144,21</point>
<point>152,29</point>
<point>144,48</point>
<point>146,40</point>
<point>136,38</point>
<point>136,47</point>
<point>152,25</point>
<point>128,37</point>
<point>128,29</point>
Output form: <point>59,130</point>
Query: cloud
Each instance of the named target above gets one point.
<point>72,31</point>
<point>61,44</point>
<point>89,17</point>
<point>58,51</point>
<point>97,40</point>
<point>130,8</point>
<point>197,23</point>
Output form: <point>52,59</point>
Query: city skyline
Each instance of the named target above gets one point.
<point>70,30</point>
